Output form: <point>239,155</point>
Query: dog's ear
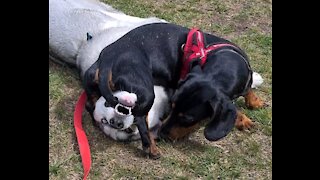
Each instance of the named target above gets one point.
<point>195,70</point>
<point>223,118</point>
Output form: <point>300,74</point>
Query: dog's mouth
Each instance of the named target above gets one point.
<point>123,110</point>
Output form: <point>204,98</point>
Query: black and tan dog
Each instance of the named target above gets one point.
<point>115,52</point>
<point>206,92</point>
<point>123,71</point>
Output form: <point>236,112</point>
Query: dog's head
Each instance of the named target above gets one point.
<point>198,101</point>
<point>119,117</point>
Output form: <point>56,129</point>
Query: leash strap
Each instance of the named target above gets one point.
<point>81,135</point>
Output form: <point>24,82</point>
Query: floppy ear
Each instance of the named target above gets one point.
<point>194,71</point>
<point>223,118</point>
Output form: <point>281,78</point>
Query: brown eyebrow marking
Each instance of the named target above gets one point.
<point>110,82</point>
<point>96,77</point>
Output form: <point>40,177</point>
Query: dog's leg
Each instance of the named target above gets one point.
<point>252,101</point>
<point>242,121</point>
<point>148,142</point>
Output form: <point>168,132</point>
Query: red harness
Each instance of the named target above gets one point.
<point>195,49</point>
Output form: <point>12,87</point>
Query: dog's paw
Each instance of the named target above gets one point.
<point>252,101</point>
<point>243,122</point>
<point>152,153</point>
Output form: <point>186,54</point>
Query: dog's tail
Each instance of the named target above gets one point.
<point>257,80</point>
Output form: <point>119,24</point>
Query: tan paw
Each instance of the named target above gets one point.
<point>154,153</point>
<point>253,101</point>
<point>243,122</point>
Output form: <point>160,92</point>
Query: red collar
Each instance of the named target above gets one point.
<point>195,49</point>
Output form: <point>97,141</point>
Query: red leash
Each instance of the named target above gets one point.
<point>81,135</point>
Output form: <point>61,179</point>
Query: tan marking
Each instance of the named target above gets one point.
<point>180,114</point>
<point>180,132</point>
<point>94,98</point>
<point>243,122</point>
<point>173,105</point>
<point>252,101</point>
<point>147,120</point>
<point>154,152</point>
<point>110,82</point>
<point>96,77</point>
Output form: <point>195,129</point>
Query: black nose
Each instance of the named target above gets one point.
<point>112,121</point>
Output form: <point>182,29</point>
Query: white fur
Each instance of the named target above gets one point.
<point>119,135</point>
<point>257,80</point>
<point>160,106</point>
<point>101,112</point>
<point>71,20</point>
<point>157,111</point>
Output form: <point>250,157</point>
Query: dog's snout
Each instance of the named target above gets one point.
<point>118,124</point>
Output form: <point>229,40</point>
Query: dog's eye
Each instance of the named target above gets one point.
<point>116,99</point>
<point>104,121</point>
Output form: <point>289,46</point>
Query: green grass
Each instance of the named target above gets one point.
<point>240,155</point>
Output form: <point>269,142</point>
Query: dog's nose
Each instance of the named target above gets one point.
<point>118,124</point>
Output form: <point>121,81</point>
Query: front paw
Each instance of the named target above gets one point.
<point>252,101</point>
<point>243,122</point>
